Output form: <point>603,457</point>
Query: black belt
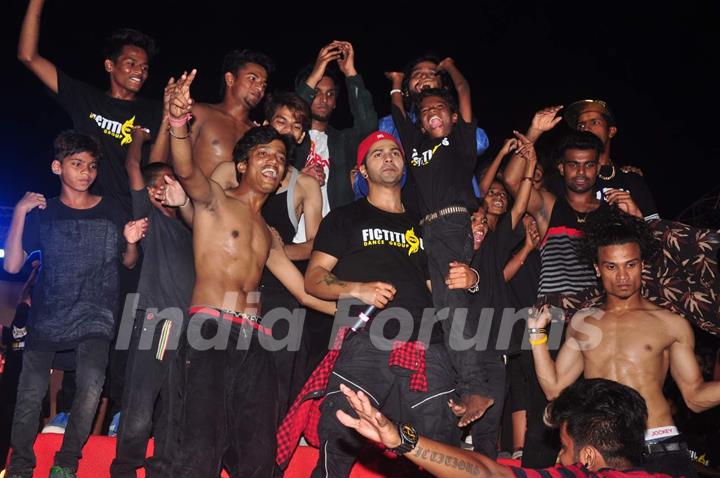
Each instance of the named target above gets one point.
<point>664,447</point>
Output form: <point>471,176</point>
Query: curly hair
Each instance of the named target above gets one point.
<point>441,93</point>
<point>612,226</point>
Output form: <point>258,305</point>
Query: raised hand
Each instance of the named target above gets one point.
<point>510,144</point>
<point>539,318</point>
<point>31,201</point>
<point>546,119</point>
<point>395,77</point>
<point>330,52</point>
<point>167,94</point>
<point>180,100</point>
<point>526,148</point>
<point>135,230</point>
<point>370,423</point>
<point>346,62</point>
<point>446,64</point>
<point>171,193</point>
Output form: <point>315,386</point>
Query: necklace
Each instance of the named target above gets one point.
<point>581,219</point>
<point>608,178</point>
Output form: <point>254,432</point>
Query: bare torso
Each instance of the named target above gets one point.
<point>635,351</point>
<point>214,134</point>
<point>231,244</point>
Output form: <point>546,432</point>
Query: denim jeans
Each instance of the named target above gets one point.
<point>91,360</point>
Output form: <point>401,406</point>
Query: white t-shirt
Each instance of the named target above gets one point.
<point>319,154</point>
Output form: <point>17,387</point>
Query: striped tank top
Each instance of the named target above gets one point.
<point>562,270</point>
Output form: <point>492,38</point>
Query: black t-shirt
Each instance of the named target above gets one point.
<point>443,167</point>
<point>76,294</point>
<point>13,339</point>
<point>374,245</point>
<point>168,271</point>
<point>629,182</point>
<point>489,261</point>
<point>110,120</point>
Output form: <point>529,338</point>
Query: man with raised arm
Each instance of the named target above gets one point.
<point>230,391</point>
<point>110,115</point>
<point>628,339</point>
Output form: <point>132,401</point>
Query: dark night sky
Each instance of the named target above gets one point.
<point>655,67</point>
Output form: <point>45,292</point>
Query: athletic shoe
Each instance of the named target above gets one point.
<point>62,472</point>
<point>57,424</point>
<point>114,424</point>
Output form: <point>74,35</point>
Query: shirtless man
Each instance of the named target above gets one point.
<point>217,127</point>
<point>289,115</point>
<point>230,397</point>
<point>629,340</point>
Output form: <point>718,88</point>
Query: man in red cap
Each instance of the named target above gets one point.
<point>370,251</point>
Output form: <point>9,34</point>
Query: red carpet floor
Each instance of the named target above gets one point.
<point>100,450</point>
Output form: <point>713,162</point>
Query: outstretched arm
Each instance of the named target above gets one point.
<point>28,47</point>
<point>698,394</point>
<point>292,279</point>
<point>133,157</point>
<point>526,150</point>
<point>439,459</point>
<point>461,86</point>
<point>396,97</point>
<point>492,170</point>
<point>554,377</point>
<point>160,152</point>
<point>540,203</point>
<point>195,183</point>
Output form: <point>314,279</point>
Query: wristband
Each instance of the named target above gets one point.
<point>539,341</point>
<point>178,137</point>
<point>535,330</point>
<point>476,287</point>
<point>395,90</point>
<point>178,122</point>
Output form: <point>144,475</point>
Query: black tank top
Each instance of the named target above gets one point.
<point>277,212</point>
<point>562,270</point>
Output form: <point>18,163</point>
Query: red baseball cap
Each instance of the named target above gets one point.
<point>371,139</point>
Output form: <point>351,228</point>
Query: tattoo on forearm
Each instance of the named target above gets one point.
<point>447,461</point>
<point>331,279</point>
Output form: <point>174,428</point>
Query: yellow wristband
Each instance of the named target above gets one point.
<point>539,341</point>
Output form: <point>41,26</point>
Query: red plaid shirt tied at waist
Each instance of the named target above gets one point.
<point>304,415</point>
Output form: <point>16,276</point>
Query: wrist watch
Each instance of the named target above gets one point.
<point>408,439</point>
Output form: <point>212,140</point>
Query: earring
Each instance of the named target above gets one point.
<point>365,176</point>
